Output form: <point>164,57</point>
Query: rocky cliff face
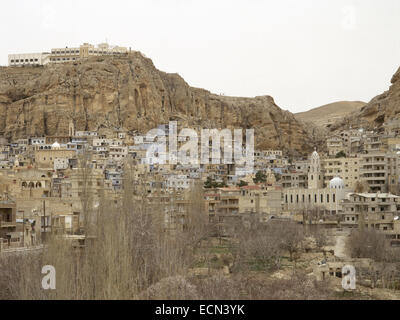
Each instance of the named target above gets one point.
<point>130,93</point>
<point>382,108</point>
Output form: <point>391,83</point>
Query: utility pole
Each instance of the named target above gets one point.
<point>23,228</point>
<point>44,218</point>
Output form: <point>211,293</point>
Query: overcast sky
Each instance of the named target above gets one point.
<point>304,53</point>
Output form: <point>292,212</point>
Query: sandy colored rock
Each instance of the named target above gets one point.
<point>129,92</point>
<point>381,109</point>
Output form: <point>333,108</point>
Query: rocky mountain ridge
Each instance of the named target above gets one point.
<point>382,108</point>
<point>129,92</point>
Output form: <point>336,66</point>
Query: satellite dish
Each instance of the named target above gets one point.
<point>396,218</point>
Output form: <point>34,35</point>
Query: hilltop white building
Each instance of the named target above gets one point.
<point>62,55</point>
<point>28,59</point>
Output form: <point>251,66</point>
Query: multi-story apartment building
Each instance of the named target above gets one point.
<point>371,210</point>
<point>7,217</point>
<point>334,146</point>
<point>248,199</point>
<point>296,175</point>
<point>294,179</point>
<point>373,143</point>
<point>374,171</point>
<point>346,168</point>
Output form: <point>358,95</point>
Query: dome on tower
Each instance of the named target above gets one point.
<point>336,183</point>
<point>315,155</point>
<point>55,145</point>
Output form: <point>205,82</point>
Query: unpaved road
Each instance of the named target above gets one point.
<point>340,246</point>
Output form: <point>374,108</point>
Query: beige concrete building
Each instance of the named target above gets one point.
<point>249,199</point>
<point>378,211</point>
<point>45,158</point>
<point>86,50</point>
<point>7,217</point>
<point>346,168</point>
<point>67,54</point>
<point>28,59</point>
<point>374,171</point>
<point>294,179</point>
<point>334,146</point>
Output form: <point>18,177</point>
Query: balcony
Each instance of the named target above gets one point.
<point>8,224</point>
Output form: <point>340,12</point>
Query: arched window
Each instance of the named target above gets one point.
<point>38,185</point>
<point>24,184</point>
<point>31,185</point>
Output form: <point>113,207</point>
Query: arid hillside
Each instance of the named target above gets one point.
<point>381,109</point>
<point>129,92</point>
<point>330,113</point>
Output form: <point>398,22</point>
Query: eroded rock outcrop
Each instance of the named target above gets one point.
<point>382,108</point>
<point>129,92</point>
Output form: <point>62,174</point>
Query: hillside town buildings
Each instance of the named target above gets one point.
<point>44,179</point>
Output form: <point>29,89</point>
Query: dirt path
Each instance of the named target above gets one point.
<point>340,246</point>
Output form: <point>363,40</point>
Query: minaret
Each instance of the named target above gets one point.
<point>315,178</point>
